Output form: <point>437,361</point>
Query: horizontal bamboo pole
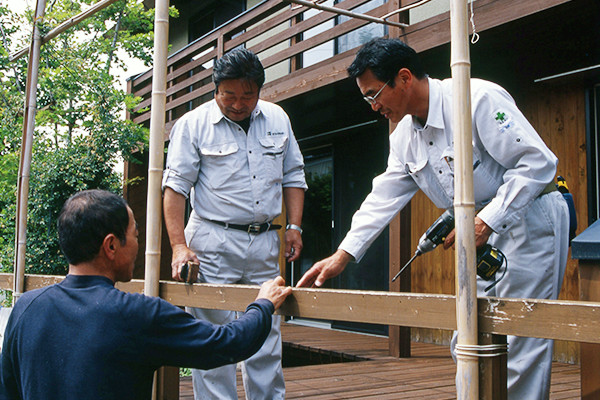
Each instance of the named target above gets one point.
<point>347,13</point>
<point>577,321</point>
<point>65,25</point>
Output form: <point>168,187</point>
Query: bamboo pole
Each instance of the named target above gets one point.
<point>467,374</point>
<point>66,25</point>
<point>155,164</point>
<point>340,11</point>
<point>26,150</point>
<point>157,145</point>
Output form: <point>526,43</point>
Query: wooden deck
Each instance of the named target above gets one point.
<point>428,374</point>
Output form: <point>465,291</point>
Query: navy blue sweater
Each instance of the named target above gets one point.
<point>85,339</point>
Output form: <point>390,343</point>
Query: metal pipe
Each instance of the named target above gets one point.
<point>26,150</point>
<point>467,374</point>
<point>66,25</point>
<point>347,13</point>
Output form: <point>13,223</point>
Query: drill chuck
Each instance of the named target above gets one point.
<point>489,258</point>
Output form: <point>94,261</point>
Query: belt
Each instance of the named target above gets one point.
<point>550,187</point>
<point>252,228</point>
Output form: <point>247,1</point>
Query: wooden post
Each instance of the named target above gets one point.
<point>589,284</point>
<point>26,150</point>
<point>400,230</point>
<point>400,252</point>
<point>586,248</point>
<point>467,381</point>
<point>492,367</point>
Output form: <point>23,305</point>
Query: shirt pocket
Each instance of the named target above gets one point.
<point>272,157</point>
<point>484,184</point>
<point>219,163</point>
<point>428,182</point>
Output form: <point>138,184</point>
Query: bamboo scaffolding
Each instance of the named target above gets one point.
<point>155,165</point>
<point>66,25</point>
<point>157,143</point>
<point>340,11</point>
<point>467,374</point>
<point>26,150</point>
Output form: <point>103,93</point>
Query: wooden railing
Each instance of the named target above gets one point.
<point>497,317</point>
<point>577,321</point>
<point>271,23</point>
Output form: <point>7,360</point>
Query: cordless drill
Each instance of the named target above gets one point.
<point>489,258</point>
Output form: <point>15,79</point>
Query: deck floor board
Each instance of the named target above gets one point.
<point>428,374</point>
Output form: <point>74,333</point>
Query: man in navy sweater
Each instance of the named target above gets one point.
<point>85,339</point>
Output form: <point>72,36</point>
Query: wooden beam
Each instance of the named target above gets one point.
<point>553,319</point>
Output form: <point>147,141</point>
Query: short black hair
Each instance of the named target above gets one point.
<point>385,57</point>
<point>86,219</point>
<point>239,64</point>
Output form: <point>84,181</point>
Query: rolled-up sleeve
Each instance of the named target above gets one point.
<point>183,159</point>
<point>293,163</point>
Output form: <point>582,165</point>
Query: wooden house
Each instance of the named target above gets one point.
<point>545,53</point>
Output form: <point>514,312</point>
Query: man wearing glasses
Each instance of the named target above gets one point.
<point>520,211</point>
<point>240,157</point>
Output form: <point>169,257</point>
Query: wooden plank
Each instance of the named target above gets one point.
<point>429,374</point>
<point>260,11</point>
<point>298,28</point>
<point>324,37</point>
<point>553,319</point>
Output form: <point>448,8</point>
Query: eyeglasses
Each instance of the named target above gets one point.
<point>372,99</point>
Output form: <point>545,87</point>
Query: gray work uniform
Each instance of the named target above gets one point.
<point>511,168</point>
<point>236,178</point>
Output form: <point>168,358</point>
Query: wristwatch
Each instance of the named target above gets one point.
<point>295,227</point>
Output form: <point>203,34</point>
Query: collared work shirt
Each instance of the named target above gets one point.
<point>236,177</point>
<point>511,163</point>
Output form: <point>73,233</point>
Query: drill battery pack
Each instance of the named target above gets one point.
<point>489,260</point>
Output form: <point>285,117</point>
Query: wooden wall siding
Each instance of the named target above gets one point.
<point>189,81</point>
<point>557,110</point>
<point>431,272</point>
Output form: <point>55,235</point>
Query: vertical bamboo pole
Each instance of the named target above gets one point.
<point>467,379</point>
<point>26,150</point>
<point>157,145</point>
<point>156,159</point>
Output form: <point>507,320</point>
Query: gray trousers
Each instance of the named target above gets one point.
<point>229,256</point>
<point>536,250</point>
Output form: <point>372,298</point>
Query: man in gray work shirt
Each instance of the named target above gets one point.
<point>240,157</point>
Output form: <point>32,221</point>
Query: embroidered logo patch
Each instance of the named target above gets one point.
<point>269,133</point>
<point>503,120</point>
<point>500,117</point>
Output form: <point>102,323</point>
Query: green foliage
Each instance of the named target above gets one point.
<point>81,133</point>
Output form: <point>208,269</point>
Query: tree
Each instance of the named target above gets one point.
<point>81,132</point>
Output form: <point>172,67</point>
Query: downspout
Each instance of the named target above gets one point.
<point>26,150</point>
<point>467,374</point>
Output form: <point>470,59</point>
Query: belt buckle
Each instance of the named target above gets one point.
<point>254,228</point>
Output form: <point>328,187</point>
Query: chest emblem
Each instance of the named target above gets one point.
<point>503,120</point>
